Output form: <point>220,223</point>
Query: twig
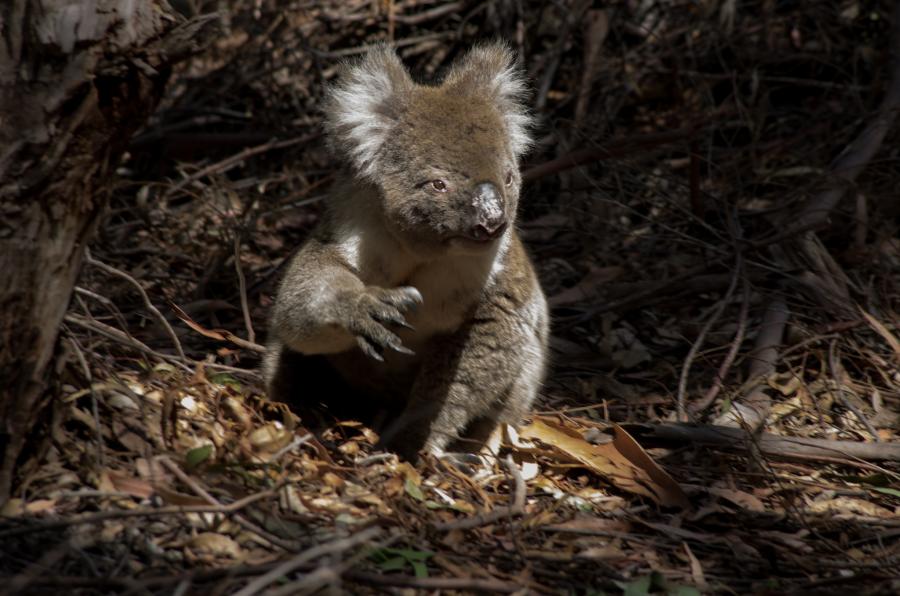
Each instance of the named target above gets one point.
<point>464,584</point>
<point>123,338</point>
<point>335,546</point>
<point>430,14</point>
<point>326,574</point>
<point>572,16</point>
<point>719,382</point>
<point>242,288</point>
<point>595,31</point>
<point>95,518</point>
<point>856,156</point>
<point>290,447</point>
<point>229,162</point>
<point>109,304</point>
<point>121,274</point>
<point>701,337</point>
<point>219,334</point>
<point>244,522</point>
<point>613,149</point>
<point>400,43</point>
<point>89,378</point>
<point>836,375</point>
<point>516,507</point>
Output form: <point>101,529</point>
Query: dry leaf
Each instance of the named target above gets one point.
<point>136,487</point>
<point>670,491</point>
<point>739,498</point>
<point>270,438</point>
<point>216,544</point>
<point>609,461</point>
<point>884,332</point>
<point>851,507</point>
<point>589,524</point>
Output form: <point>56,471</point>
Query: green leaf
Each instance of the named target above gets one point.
<point>397,559</point>
<point>684,591</point>
<point>877,479</point>
<point>413,490</point>
<point>395,564</point>
<point>887,491</point>
<point>197,456</point>
<point>225,379</point>
<point>638,587</point>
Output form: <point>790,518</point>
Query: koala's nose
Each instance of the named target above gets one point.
<point>490,215</point>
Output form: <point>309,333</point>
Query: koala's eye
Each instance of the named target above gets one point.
<point>439,185</point>
<point>509,178</point>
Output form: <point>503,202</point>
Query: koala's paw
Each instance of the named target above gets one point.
<point>372,310</point>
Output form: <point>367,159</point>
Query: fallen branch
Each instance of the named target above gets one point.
<point>768,444</point>
<point>102,516</point>
<point>856,156</point>
<point>294,563</point>
<point>751,410</point>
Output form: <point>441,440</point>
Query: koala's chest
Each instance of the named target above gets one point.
<point>449,296</point>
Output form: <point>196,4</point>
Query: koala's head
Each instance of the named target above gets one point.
<point>444,157</point>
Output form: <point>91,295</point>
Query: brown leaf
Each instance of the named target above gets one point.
<point>670,492</point>
<point>216,544</point>
<point>739,498</point>
<point>136,487</point>
<point>605,460</point>
<point>884,332</point>
<point>588,524</point>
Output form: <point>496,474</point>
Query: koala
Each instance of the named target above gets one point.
<point>413,302</point>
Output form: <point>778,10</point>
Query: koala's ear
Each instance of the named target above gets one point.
<point>490,70</point>
<point>363,107</point>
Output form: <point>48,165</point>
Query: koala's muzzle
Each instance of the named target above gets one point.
<point>490,213</point>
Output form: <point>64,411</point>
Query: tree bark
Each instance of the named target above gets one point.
<point>77,78</point>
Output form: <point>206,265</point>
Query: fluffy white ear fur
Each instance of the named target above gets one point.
<point>363,106</point>
<point>367,101</point>
<point>489,70</point>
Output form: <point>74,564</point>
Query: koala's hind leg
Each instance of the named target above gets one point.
<point>313,388</point>
<point>488,372</point>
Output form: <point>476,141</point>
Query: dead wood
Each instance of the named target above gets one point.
<point>80,79</point>
<point>750,410</point>
<point>768,444</point>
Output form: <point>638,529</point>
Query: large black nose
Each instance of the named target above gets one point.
<point>490,213</point>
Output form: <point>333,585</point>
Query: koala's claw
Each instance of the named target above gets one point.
<point>368,349</point>
<point>390,314</point>
<point>467,463</point>
<point>403,298</point>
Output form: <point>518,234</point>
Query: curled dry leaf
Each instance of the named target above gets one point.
<point>136,487</point>
<point>850,507</point>
<point>622,462</point>
<point>270,438</point>
<point>219,545</point>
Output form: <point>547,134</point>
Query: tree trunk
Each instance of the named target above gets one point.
<point>77,78</point>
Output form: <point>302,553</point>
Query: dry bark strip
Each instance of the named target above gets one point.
<point>768,444</point>
<point>76,81</point>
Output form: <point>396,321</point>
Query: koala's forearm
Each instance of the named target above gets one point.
<point>306,316</point>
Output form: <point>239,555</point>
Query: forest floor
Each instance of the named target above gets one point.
<point>678,205</point>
